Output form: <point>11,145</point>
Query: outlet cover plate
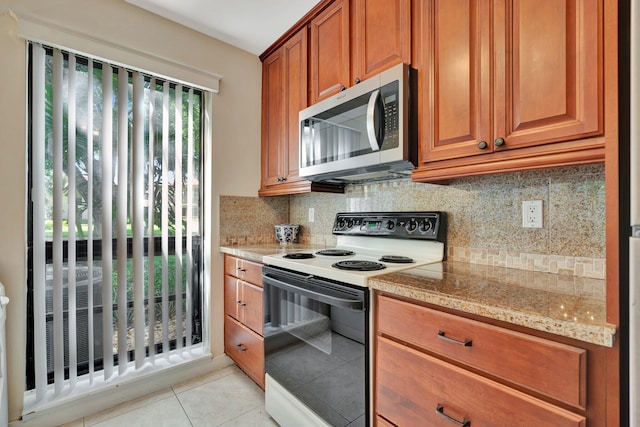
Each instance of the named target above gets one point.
<point>532,214</point>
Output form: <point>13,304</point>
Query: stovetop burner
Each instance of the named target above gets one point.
<point>299,255</point>
<point>358,265</point>
<point>335,252</point>
<point>396,259</point>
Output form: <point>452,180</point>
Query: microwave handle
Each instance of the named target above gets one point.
<point>375,107</point>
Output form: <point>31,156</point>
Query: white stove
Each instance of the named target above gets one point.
<point>317,316</point>
<point>380,243</point>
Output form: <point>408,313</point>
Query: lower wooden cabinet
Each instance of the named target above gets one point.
<point>245,347</point>
<point>243,318</point>
<point>439,369</point>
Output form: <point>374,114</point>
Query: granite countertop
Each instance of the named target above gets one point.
<point>573,307</point>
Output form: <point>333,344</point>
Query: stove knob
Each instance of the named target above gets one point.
<point>391,225</point>
<point>340,223</point>
<point>425,225</point>
<point>350,223</point>
<point>411,226</point>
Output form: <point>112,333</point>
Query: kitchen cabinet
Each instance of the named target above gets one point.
<point>330,54</point>
<point>284,94</point>
<point>381,36</point>
<point>507,85</point>
<point>244,319</point>
<point>354,40</point>
<point>432,367</point>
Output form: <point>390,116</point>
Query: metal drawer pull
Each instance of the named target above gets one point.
<point>241,347</point>
<point>440,411</point>
<point>242,270</point>
<point>465,343</point>
<point>241,304</point>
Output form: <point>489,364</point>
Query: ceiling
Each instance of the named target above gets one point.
<point>251,25</point>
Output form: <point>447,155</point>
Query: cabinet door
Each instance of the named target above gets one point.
<point>381,36</point>
<point>329,56</point>
<point>548,71</point>
<point>273,131</point>
<point>252,307</point>
<point>232,296</point>
<point>295,84</point>
<point>246,348</point>
<point>453,77</point>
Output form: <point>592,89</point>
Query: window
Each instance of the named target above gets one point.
<point>115,212</point>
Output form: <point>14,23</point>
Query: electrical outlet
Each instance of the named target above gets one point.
<point>532,214</point>
<point>312,214</point>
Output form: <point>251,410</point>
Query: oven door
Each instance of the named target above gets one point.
<point>316,348</point>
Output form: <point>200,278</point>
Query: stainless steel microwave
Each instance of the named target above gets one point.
<point>363,133</point>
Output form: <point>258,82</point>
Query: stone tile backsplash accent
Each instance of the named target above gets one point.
<point>483,213</point>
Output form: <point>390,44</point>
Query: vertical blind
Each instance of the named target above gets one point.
<point>115,271</point>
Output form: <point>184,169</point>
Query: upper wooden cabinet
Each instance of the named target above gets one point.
<point>381,36</point>
<point>284,94</point>
<point>500,81</point>
<point>330,55</point>
<point>352,41</point>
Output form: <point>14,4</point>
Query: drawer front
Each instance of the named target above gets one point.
<point>413,388</point>
<point>246,348</point>
<point>556,370</point>
<point>242,269</point>
<point>381,422</point>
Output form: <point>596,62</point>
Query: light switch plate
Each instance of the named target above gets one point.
<point>312,215</point>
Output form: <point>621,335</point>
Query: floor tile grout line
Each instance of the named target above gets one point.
<point>182,406</point>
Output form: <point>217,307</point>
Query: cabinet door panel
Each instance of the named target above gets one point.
<point>252,307</point>
<point>272,119</point>
<point>232,294</point>
<point>330,64</point>
<point>454,80</point>
<point>410,385</point>
<point>295,81</point>
<point>381,35</point>
<point>548,81</point>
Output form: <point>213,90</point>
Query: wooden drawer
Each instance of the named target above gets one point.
<point>242,269</point>
<point>246,348</point>
<point>415,389</point>
<point>556,370</point>
<point>243,302</point>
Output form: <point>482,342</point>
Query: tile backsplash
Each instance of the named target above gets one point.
<point>484,216</point>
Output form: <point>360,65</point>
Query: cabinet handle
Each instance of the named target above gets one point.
<point>465,343</point>
<point>241,304</point>
<point>482,145</point>
<point>440,411</point>
<point>357,80</point>
<point>499,142</point>
<point>240,269</point>
<point>241,347</point>
<point>342,88</point>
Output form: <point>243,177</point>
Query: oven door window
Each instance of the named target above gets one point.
<point>316,350</point>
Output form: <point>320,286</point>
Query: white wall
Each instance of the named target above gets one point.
<point>236,132</point>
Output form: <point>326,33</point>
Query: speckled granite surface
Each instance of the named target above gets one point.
<point>568,306</point>
<point>573,307</point>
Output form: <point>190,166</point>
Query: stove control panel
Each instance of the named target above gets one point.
<point>399,225</point>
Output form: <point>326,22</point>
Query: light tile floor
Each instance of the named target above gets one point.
<point>226,398</point>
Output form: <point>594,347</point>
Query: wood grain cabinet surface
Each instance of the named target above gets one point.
<point>502,82</point>
<point>244,319</point>
<point>437,367</point>
<point>284,94</point>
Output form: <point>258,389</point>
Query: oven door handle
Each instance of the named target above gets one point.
<point>338,299</point>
